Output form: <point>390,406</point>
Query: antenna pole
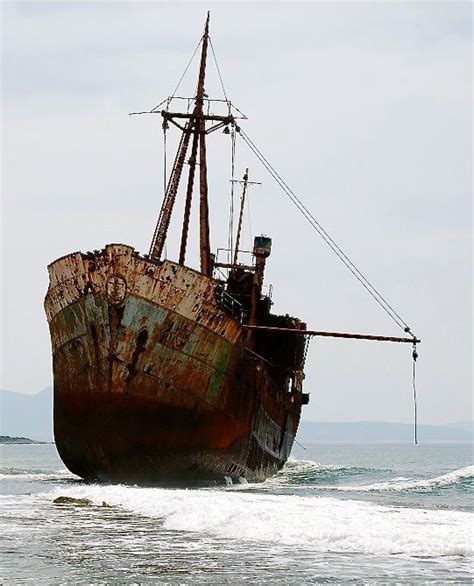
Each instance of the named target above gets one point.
<point>245,183</point>
<point>241,215</point>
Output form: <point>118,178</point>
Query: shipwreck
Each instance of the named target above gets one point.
<point>164,373</point>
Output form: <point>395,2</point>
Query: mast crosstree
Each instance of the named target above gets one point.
<point>195,128</point>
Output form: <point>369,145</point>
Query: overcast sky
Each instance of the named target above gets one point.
<point>365,110</point>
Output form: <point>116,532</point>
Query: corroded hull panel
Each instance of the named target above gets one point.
<point>152,378</point>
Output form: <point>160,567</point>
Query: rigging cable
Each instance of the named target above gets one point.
<point>186,69</point>
<point>165,157</point>
<point>233,138</point>
<point>155,108</point>
<point>300,445</point>
<point>415,356</point>
<point>384,304</point>
<point>218,70</point>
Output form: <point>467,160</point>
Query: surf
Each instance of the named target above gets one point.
<point>316,524</point>
<point>463,477</point>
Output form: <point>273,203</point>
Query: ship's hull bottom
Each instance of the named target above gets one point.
<point>121,440</point>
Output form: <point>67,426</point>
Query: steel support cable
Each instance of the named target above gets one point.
<point>415,418</point>
<point>179,82</point>
<point>186,69</point>
<point>315,225</point>
<point>383,303</point>
<point>153,109</point>
<point>218,70</point>
<point>333,245</point>
<point>165,161</point>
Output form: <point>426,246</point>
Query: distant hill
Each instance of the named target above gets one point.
<point>27,415</point>
<point>31,416</point>
<point>466,425</point>
<point>381,431</point>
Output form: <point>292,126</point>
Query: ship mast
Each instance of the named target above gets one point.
<point>195,127</point>
<point>245,183</point>
<point>200,129</point>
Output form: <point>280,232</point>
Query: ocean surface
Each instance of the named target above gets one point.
<point>337,513</point>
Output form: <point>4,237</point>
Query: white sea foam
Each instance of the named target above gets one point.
<point>294,463</point>
<point>310,523</point>
<point>294,469</point>
<point>402,484</point>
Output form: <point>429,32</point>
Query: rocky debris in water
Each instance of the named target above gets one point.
<point>69,500</point>
<point>83,502</point>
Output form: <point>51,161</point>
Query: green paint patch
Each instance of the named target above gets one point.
<point>96,309</point>
<point>138,314</point>
<point>220,368</point>
<point>72,318</point>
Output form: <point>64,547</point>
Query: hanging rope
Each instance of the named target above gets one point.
<point>384,304</point>
<point>415,419</point>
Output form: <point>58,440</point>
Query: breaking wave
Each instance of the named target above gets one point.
<point>321,524</point>
<point>295,467</point>
<point>464,478</point>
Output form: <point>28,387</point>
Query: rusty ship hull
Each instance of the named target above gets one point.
<point>153,377</point>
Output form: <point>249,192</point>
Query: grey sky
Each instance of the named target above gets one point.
<point>365,110</point>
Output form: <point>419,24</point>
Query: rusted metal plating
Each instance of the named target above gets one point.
<point>177,288</point>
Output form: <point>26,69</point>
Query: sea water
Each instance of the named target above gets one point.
<point>340,513</point>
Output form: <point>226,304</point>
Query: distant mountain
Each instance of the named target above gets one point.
<point>466,425</point>
<point>381,431</point>
<point>27,415</point>
<point>31,416</point>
